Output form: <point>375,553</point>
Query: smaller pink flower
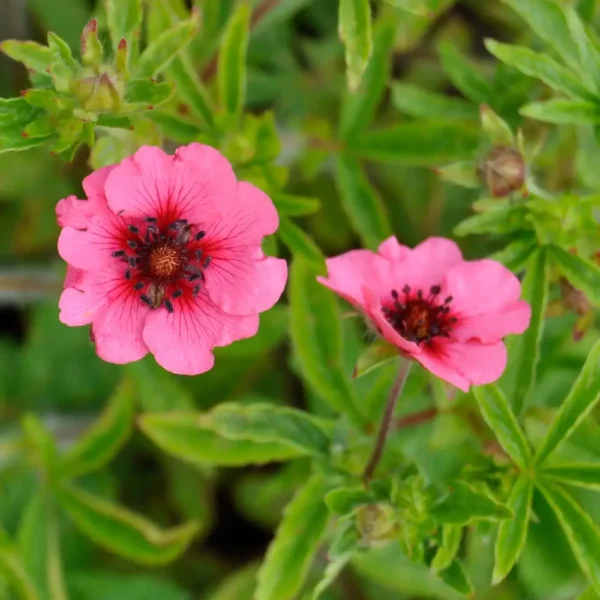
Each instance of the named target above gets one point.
<point>164,256</point>
<point>447,313</point>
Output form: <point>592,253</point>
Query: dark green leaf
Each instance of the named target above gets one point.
<point>516,254</point>
<point>124,20</point>
<point>13,570</point>
<point>559,111</point>
<point>300,243</point>
<point>123,532</point>
<point>33,55</point>
<point>41,442</point>
<point>355,33</point>
<point>362,204</point>
<point>297,539</point>
<point>581,273</point>
<point>344,501</point>
<point>498,415</point>
<point>376,354</point>
<point>147,91</point>
<point>582,398</point>
<point>504,219</point>
<point>586,475</point>
<point>447,551</point>
<point>513,532</point>
<point>175,127</point>
<point>295,206</point>
<point>456,578</point>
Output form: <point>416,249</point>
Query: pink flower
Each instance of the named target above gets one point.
<point>447,313</point>
<point>165,257</point>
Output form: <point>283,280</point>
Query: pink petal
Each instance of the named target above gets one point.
<point>72,212</point>
<point>93,184</point>
<point>78,308</point>
<point>435,363</point>
<point>182,341</point>
<point>393,250</point>
<point>349,273</point>
<point>477,362</point>
<point>118,327</point>
<point>241,284</point>
<point>72,277</point>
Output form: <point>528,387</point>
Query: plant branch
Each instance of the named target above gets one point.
<point>418,418</point>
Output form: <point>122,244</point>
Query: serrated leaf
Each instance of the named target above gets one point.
<point>513,532</point>
<point>498,415</point>
<point>417,143</point>
<point>463,505</point>
<point>231,75</point>
<point>158,54</point>
<point>295,206</point>
<point>123,532</point>
<point>447,551</point>
<point>497,129</point>
<point>582,274</point>
<point>124,20</point>
<point>33,55</point>
<point>542,67</point>
<point>524,350</point>
<point>581,531</point>
<point>300,243</point>
<point>362,204</point>
<point>13,570</point>
<point>355,33</point>
<point>316,335</point>
<point>582,398</point>
<point>375,355</point>
<point>263,422</point>
<point>563,112</point>
<point>344,501</point>
<point>359,107</point>
<point>104,439</point>
<point>147,91</point>
<point>416,101</point>
<point>585,475</point>
<point>456,577</point>
<point>297,539</point>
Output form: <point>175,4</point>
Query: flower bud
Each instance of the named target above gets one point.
<point>97,93</point>
<point>376,522</point>
<point>503,171</point>
<point>91,48</point>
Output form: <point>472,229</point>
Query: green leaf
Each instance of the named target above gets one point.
<point>524,350</point>
<point>456,578</point>
<point>297,539</point>
<point>504,219</point>
<point>464,75</point>
<point>33,55</point>
<point>344,501</point>
<point>376,354</point>
<point>41,442</point>
<point>159,53</point>
<point>463,173</point>
<point>100,444</point>
<point>463,505</point>
<point>516,254</point>
<point>582,398</point>
<point>563,112</point>
<point>295,206</point>
<point>542,67</point>
<point>13,570</point>
<point>231,76</point>
<point>502,421</point>
<point>416,101</point>
<point>589,57</point>
<point>582,274</point>
<point>315,329</point>
<point>513,532</point>
<point>581,531</point>
<point>362,204</point>
<point>300,243</point>
<point>147,91</point>
<point>182,435</point>
<point>447,551</point>
<point>355,33</point>
<point>125,533</point>
<point>264,423</point>
<point>589,594</point>
<point>54,567</point>
<point>124,20</point>
<point>585,475</point>
<point>497,130</point>
<point>415,143</point>
<point>358,107</point>
<point>175,127</point>
<point>15,115</point>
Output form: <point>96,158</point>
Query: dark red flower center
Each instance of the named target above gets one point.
<point>165,262</point>
<point>419,318</point>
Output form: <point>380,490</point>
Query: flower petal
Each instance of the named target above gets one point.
<point>392,249</point>
<point>72,277</point>
<point>182,341</point>
<point>73,212</point>
<point>433,361</point>
<point>477,362</point>
<point>93,184</point>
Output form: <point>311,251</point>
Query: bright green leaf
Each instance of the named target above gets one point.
<point>502,421</point>
<point>33,55</point>
<point>582,274</point>
<point>103,440</point>
<point>297,539</point>
<point>563,112</point>
<point>355,33</point>
<point>376,354</point>
<point>497,130</point>
<point>447,551</point>
<point>504,219</point>
<point>585,475</point>
<point>12,568</point>
<point>295,206</point>
<point>463,173</point>
<point>344,501</point>
<point>124,20</point>
<point>513,532</point>
<point>362,204</point>
<point>582,398</point>
<point>300,243</point>
<point>147,91</point>
<point>125,533</point>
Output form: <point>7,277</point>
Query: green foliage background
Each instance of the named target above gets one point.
<point>360,120</point>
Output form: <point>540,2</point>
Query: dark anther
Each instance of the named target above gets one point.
<point>128,274</point>
<point>168,306</point>
<point>196,291</point>
<point>184,235</point>
<point>146,300</point>
<point>132,244</point>
<point>435,290</point>
<point>434,330</point>
<point>452,320</point>
<point>177,224</point>
<point>118,253</point>
<point>199,235</point>
<point>133,228</point>
<point>207,261</point>
<point>420,294</point>
<point>194,277</point>
<point>133,261</point>
<point>198,254</point>
<point>177,293</point>
<point>406,289</point>
<point>151,219</point>
<point>138,286</point>
<point>448,300</point>
<point>394,294</point>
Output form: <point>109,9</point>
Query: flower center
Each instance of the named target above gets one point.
<point>164,263</point>
<point>418,318</point>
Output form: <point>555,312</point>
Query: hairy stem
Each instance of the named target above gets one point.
<point>387,420</point>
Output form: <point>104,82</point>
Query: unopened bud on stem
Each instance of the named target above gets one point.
<point>503,171</point>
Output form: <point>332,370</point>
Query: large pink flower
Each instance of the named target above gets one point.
<point>447,313</point>
<point>165,257</point>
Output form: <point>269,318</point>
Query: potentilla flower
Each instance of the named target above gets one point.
<point>165,257</point>
<point>447,313</point>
